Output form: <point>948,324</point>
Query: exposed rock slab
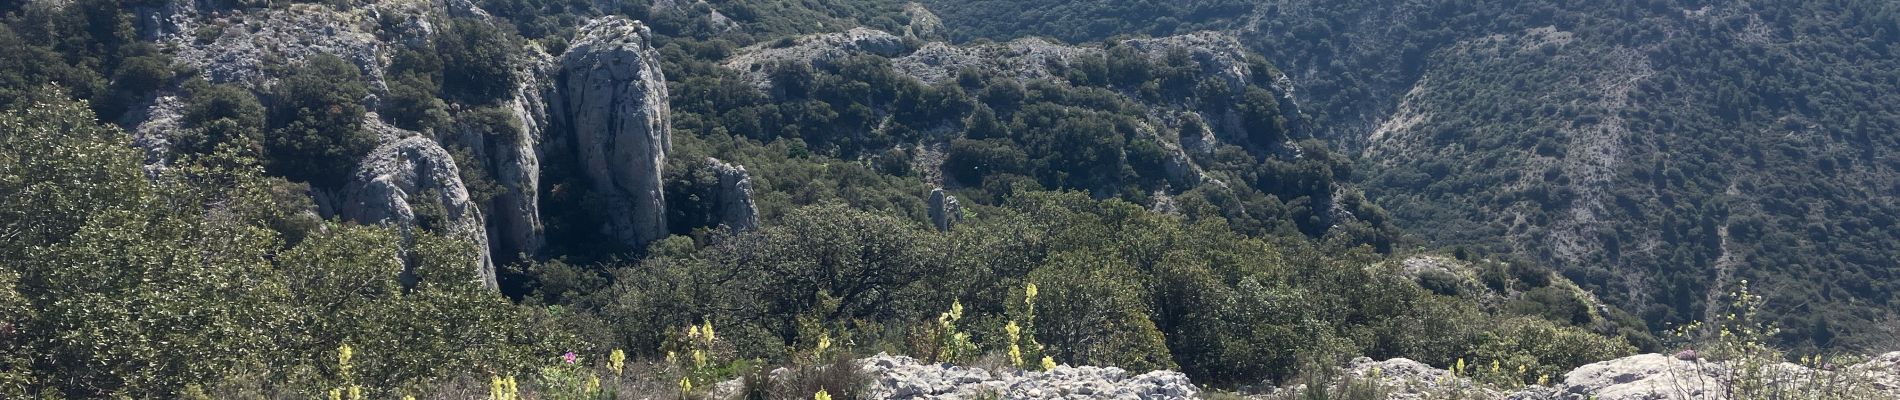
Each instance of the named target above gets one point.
<point>613,108</point>
<point>898,377</point>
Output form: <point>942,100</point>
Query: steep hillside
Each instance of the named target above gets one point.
<point>1656,152</point>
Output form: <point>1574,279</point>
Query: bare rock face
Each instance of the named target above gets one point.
<point>612,105</point>
<point>945,211</point>
<point>414,183</point>
<point>512,156</point>
<point>732,199</point>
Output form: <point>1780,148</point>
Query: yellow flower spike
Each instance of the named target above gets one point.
<point>1015,332</point>
<point>956,310</point>
<point>1460,368</point>
<point>1015,355</point>
<point>356,392</point>
<point>617,360</point>
<point>593,384</point>
<point>343,354</point>
<point>692,331</point>
<point>821,395</point>
<point>1048,363</point>
<point>699,357</point>
<point>824,343</point>
<point>1029,293</point>
<point>1494,366</point>
<point>408,397</point>
<point>1543,380</point>
<point>708,331</point>
<point>672,357</point>
<point>336,394</point>
<point>686,385</point>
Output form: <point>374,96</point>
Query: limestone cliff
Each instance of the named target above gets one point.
<point>612,110</point>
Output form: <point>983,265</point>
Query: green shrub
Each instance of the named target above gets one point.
<point>318,134</point>
<point>477,61</point>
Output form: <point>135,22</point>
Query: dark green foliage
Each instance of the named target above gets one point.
<point>317,131</point>
<point>217,116</point>
<point>141,287</point>
<point>415,82</point>
<point>1081,21</point>
<point>477,61</point>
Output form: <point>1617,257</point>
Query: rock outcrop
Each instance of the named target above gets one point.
<point>612,109</point>
<point>249,44</point>
<point>732,198</point>
<point>899,377</point>
<point>924,25</point>
<point>815,50</point>
<point>414,183</point>
<point>945,211</point>
<point>1022,59</point>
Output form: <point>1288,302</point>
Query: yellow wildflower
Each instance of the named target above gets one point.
<point>1015,355</point>
<point>709,331</point>
<point>343,354</point>
<point>617,360</point>
<point>821,395</point>
<point>699,357</point>
<point>1048,363</point>
<point>686,385</point>
<point>824,342</point>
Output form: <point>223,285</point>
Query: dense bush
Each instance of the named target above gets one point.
<point>220,115</point>
<point>478,60</point>
<point>142,288</point>
<point>317,131</point>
